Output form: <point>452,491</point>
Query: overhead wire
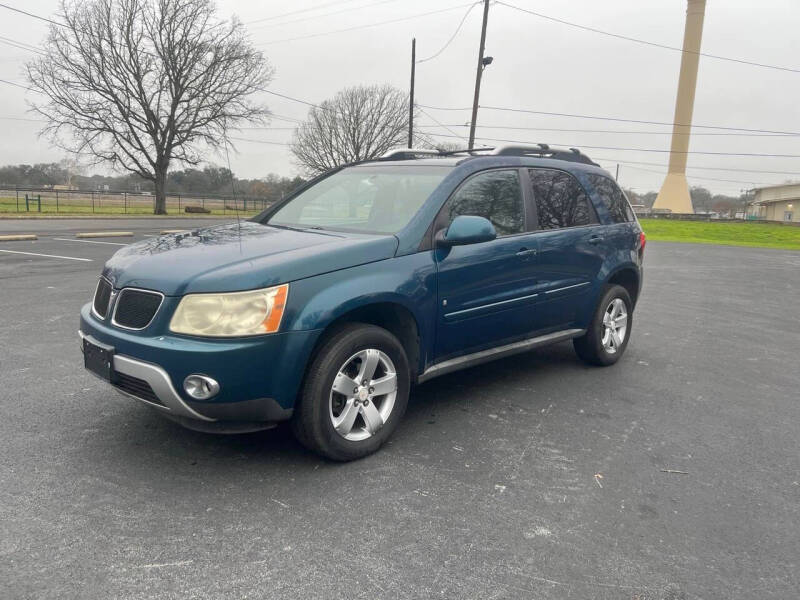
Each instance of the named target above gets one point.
<point>20,45</point>
<point>297,12</point>
<point>656,150</point>
<point>646,42</point>
<point>328,14</point>
<point>438,123</point>
<point>452,37</point>
<point>615,119</point>
<point>364,26</point>
<point>621,131</point>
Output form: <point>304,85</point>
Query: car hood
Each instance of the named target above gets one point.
<point>235,257</point>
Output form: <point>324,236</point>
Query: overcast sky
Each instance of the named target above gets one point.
<point>539,65</point>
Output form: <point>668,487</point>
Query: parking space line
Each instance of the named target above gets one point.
<point>89,242</point>
<point>48,255</point>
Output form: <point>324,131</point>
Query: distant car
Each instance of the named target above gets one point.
<point>327,307</point>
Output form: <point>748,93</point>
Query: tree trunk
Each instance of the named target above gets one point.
<point>161,192</point>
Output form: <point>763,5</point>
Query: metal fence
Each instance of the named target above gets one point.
<point>47,200</point>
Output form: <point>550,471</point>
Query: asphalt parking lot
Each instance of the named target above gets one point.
<point>674,474</point>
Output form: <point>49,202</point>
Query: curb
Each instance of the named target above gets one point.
<point>98,234</point>
<point>18,237</point>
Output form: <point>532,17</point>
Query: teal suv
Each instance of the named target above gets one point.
<point>325,309</point>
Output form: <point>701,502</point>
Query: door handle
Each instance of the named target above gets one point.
<point>595,239</point>
<point>525,252</point>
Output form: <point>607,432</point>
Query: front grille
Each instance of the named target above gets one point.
<point>136,387</point>
<point>102,295</point>
<point>136,308</point>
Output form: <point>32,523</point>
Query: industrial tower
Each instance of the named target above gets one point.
<point>674,194</point>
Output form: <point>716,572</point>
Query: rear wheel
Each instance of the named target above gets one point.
<point>354,394</point>
<point>607,336</point>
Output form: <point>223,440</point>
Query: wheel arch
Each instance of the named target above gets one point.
<point>391,315</point>
<point>628,277</point>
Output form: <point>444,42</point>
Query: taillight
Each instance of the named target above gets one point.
<point>642,242</point>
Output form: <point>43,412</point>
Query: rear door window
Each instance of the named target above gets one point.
<point>615,201</point>
<point>560,200</point>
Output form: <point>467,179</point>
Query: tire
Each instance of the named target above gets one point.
<point>594,347</point>
<point>343,414</point>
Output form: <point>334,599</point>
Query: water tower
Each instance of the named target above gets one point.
<point>674,194</point>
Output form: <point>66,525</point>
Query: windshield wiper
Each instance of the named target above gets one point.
<point>286,227</point>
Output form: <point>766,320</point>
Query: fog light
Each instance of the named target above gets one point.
<point>200,387</point>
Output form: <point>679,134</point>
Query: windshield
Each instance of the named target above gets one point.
<point>373,199</point>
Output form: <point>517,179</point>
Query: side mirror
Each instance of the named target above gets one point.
<point>466,229</point>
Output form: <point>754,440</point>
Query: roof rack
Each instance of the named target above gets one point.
<point>538,150</point>
<point>408,153</point>
<point>543,151</point>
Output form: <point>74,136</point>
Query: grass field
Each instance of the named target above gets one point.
<point>758,235</point>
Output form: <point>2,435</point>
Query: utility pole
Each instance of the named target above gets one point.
<point>616,177</point>
<point>478,76</point>
<point>411,99</point>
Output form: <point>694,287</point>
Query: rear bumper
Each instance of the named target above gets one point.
<point>259,377</point>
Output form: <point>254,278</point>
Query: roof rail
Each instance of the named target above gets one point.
<point>538,150</point>
<point>543,151</point>
<point>408,153</point>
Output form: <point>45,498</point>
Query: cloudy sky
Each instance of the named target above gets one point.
<point>540,65</point>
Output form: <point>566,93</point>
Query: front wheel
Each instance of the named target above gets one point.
<point>607,336</point>
<point>355,393</point>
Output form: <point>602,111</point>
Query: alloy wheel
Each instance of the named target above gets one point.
<point>615,325</point>
<point>363,394</point>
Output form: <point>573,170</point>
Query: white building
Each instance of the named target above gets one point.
<point>777,203</point>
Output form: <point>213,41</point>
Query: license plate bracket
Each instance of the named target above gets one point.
<point>99,359</point>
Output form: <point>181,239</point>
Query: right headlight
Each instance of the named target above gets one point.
<point>234,314</point>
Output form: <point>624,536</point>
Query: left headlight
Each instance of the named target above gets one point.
<point>235,314</point>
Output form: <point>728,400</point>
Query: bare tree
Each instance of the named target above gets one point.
<point>359,123</point>
<point>425,141</point>
<point>138,84</point>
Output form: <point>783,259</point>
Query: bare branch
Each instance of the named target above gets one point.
<point>140,84</point>
<point>359,123</point>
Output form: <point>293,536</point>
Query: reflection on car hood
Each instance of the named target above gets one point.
<point>235,257</point>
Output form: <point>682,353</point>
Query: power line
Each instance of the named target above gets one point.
<point>19,85</point>
<point>646,42</point>
<point>776,135</point>
<point>28,14</point>
<point>22,119</point>
<point>439,124</point>
<point>729,169</point>
<point>618,148</point>
<point>452,37</point>
<point>329,14</point>
<point>238,139</point>
<point>366,25</point>
<point>297,12</point>
<point>689,176</point>
<point>615,119</point>
<point>20,45</point>
<point>290,98</point>
<point>287,119</point>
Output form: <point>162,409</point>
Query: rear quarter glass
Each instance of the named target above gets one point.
<point>612,197</point>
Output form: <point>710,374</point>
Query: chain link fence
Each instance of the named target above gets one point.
<point>32,200</point>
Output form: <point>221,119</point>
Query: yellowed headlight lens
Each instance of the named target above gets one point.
<point>254,312</point>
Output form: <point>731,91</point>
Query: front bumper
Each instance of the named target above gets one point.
<point>149,383</point>
<point>259,377</point>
